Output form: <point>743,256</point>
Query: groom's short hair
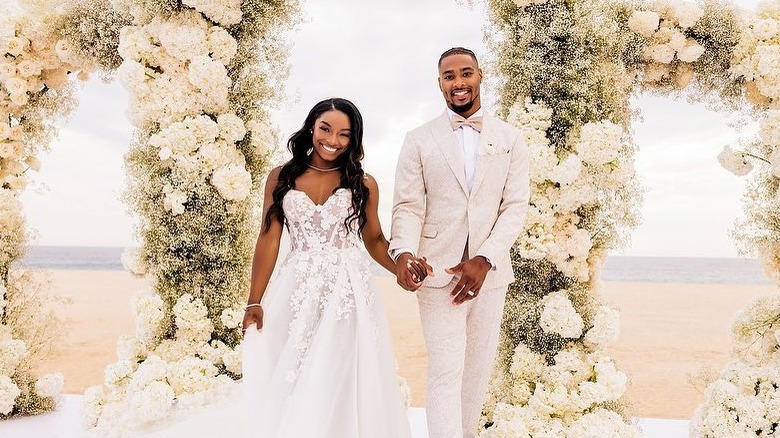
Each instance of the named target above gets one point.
<point>458,51</point>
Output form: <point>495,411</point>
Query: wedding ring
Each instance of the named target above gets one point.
<point>470,293</point>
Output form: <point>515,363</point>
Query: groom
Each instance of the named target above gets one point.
<point>461,196</point>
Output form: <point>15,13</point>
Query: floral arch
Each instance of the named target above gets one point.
<point>202,76</point>
<point>568,69</point>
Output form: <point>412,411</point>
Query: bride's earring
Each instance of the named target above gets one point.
<point>309,151</point>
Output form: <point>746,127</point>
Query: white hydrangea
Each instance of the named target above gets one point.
<point>599,142</point>
<point>49,385</point>
<point>232,317</point>
<point>8,393</point>
<point>567,171</point>
<point>117,373</point>
<point>765,28</point>
<point>12,351</point>
<point>222,45</point>
<point>233,183</point>
<point>191,375</point>
<point>691,52</point>
<point>660,53</point>
<point>231,127</point>
<point>606,328</point>
<point>734,162</point>
<point>559,316</point>
<point>149,310</point>
<point>152,402</point>
<point>150,370</point>
<point>644,23</point>
<point>184,42</point>
<point>526,365</point>
<point>232,359</point>
<point>687,14</point>
<point>192,319</point>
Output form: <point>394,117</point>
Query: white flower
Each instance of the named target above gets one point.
<point>567,171</point>
<point>600,142</point>
<point>774,159</point>
<point>116,372</point>
<point>15,85</point>
<point>644,23</point>
<point>660,53</point>
<point>49,385</point>
<point>233,183</point>
<point>192,319</point>
<point>8,393</point>
<point>606,328</point>
<point>191,375</point>
<point>183,42</point>
<point>174,202</point>
<point>765,29</point>
<point>153,402</point>
<point>15,46</point>
<point>222,46</point>
<point>7,70</point>
<point>133,261</point>
<point>64,51</point>
<point>231,127</point>
<point>28,68</point>
<point>232,317</point>
<point>12,351</point>
<point>559,316</point>
<point>149,311</point>
<point>687,14</point>
<point>734,162</point>
<point>691,52</point>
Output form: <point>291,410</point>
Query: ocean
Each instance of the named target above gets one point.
<point>617,268</point>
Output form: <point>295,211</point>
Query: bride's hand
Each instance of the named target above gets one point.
<point>252,315</point>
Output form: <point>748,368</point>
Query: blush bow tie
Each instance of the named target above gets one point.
<point>475,122</point>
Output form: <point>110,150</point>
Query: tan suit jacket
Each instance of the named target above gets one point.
<point>435,215</point>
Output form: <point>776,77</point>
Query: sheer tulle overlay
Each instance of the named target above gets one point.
<point>323,365</point>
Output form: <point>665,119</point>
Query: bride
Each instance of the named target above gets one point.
<point>318,360</point>
<point>317,355</point>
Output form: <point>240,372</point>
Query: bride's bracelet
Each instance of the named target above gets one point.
<point>249,306</point>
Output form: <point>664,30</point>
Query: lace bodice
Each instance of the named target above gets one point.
<point>319,227</point>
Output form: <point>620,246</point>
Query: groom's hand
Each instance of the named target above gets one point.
<point>472,275</point>
<point>410,272</point>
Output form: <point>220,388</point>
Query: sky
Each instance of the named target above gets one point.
<point>382,56</point>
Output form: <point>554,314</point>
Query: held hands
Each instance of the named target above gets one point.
<point>252,315</point>
<point>472,275</point>
<point>410,271</point>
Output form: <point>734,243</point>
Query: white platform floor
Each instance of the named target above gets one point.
<point>65,423</point>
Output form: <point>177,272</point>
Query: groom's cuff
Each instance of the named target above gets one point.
<point>492,265</point>
<point>394,254</point>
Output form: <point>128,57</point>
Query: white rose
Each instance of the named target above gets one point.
<point>15,85</point>
<point>734,162</point>
<point>17,45</point>
<point>7,70</point>
<point>64,51</point>
<point>28,68</point>
<point>644,23</point>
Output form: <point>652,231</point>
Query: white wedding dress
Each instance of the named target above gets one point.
<point>323,364</point>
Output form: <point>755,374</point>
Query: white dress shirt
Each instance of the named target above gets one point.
<point>468,139</point>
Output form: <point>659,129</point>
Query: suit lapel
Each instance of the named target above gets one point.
<point>448,143</point>
<point>485,138</point>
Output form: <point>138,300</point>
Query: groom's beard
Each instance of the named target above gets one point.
<point>462,108</point>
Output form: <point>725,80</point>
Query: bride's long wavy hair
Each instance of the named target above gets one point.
<point>350,163</point>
